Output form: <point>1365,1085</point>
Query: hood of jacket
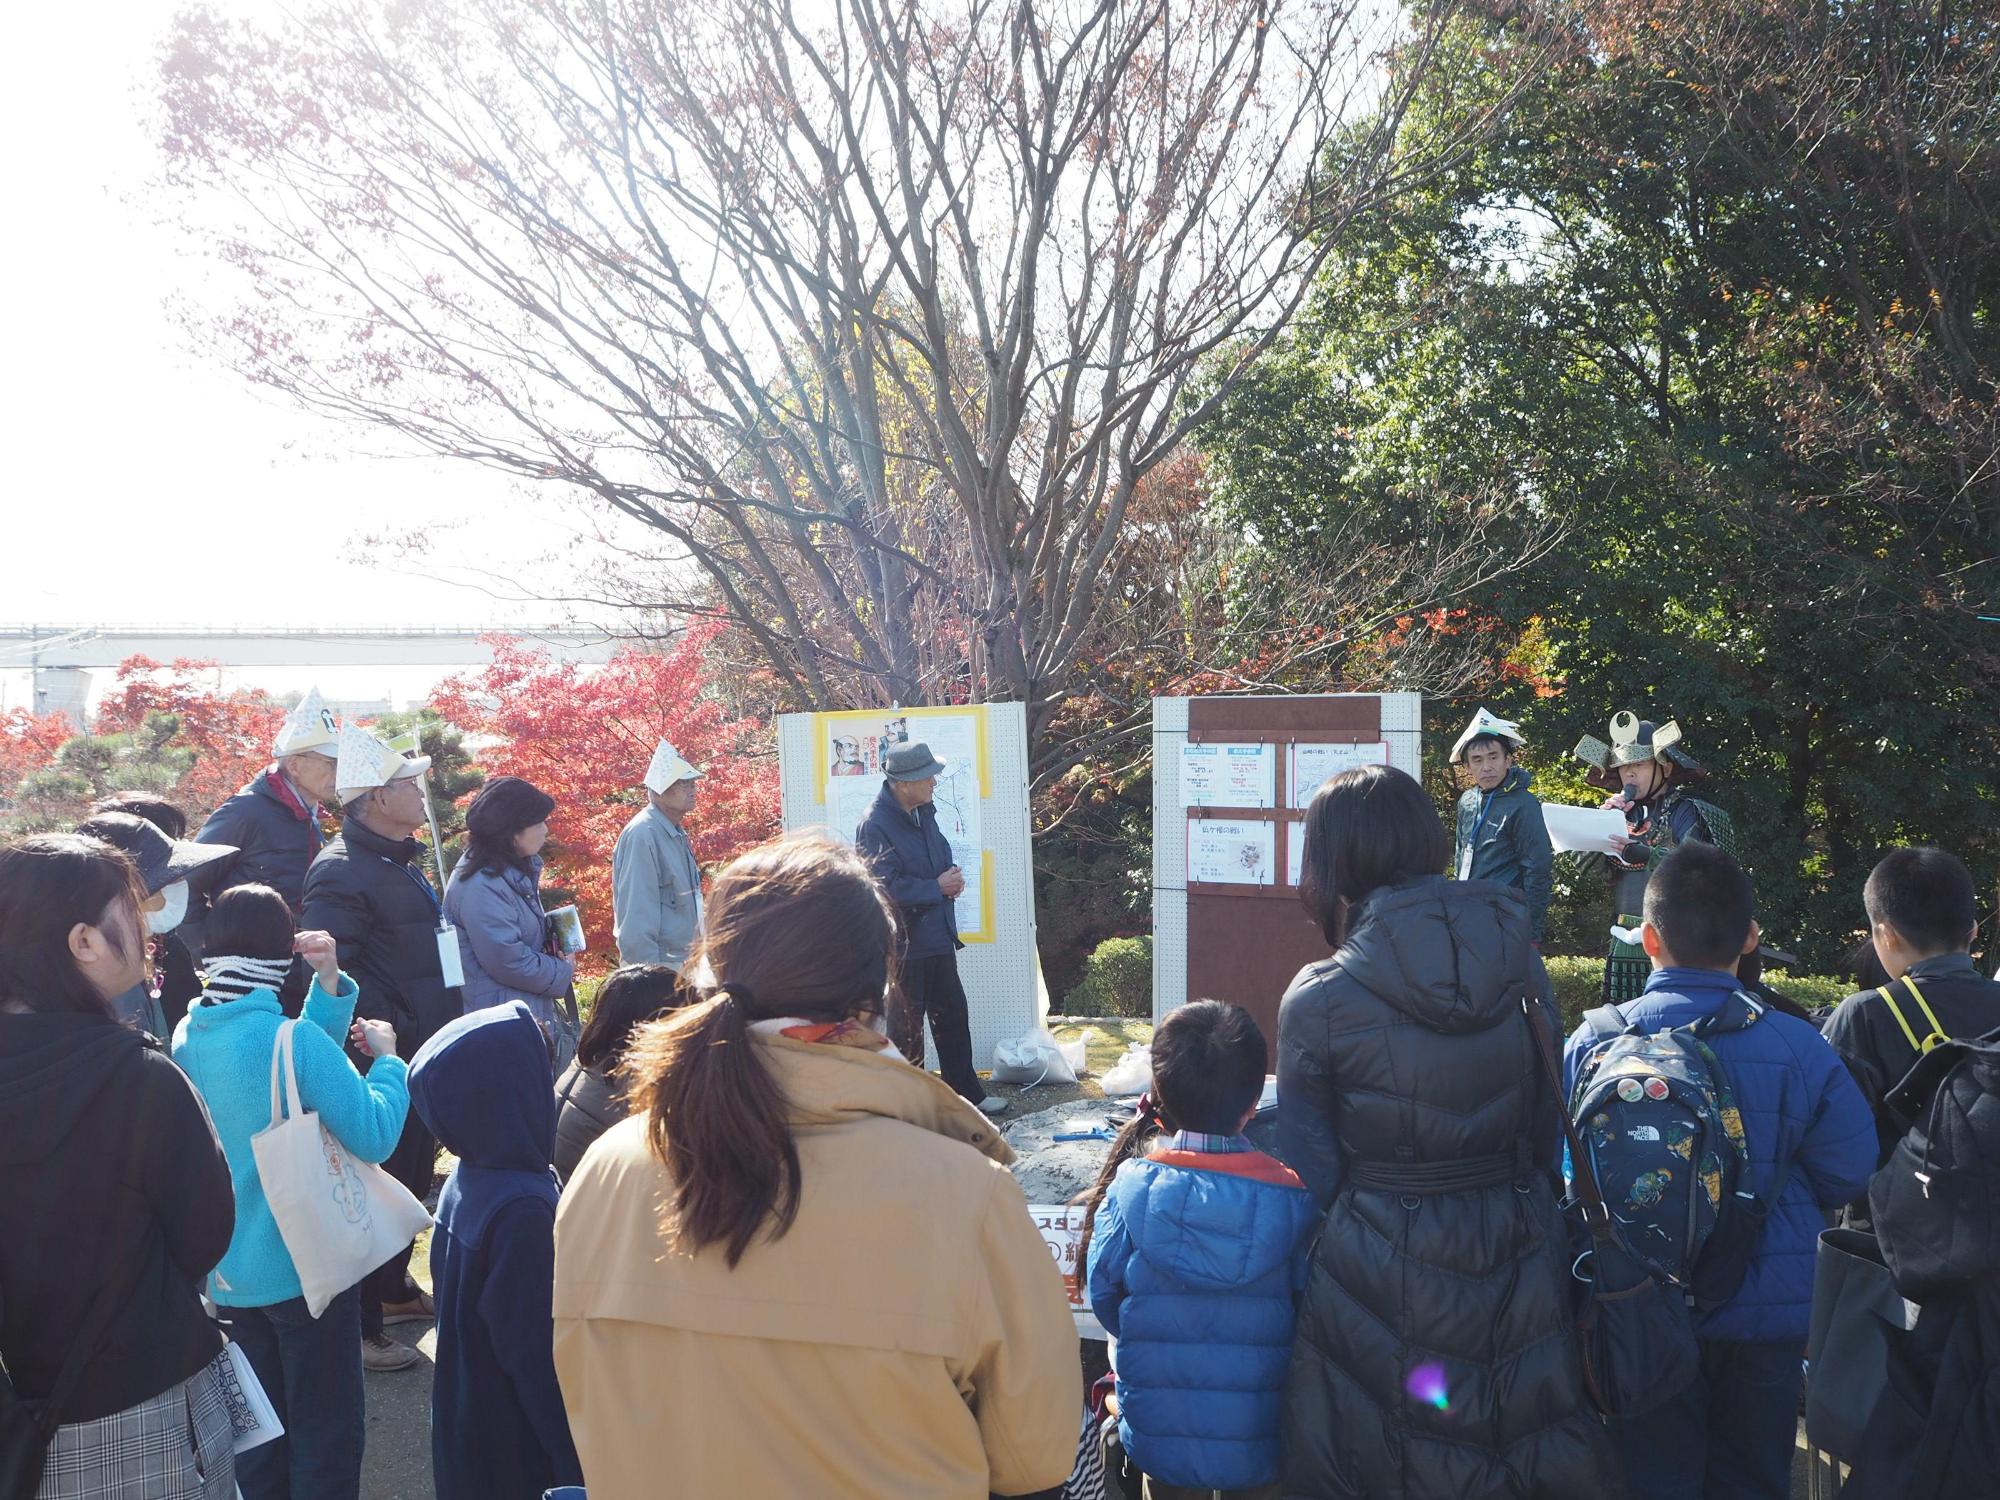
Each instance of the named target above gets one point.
<point>1210,1230</point>
<point>525,883</point>
<point>1519,779</point>
<point>210,1014</point>
<point>54,1067</point>
<point>1449,954</point>
<point>483,1087</point>
<point>827,1087</point>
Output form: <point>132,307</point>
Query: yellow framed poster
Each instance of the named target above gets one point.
<point>848,748</point>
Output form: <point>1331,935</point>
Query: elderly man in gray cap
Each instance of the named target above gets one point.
<point>912,859</point>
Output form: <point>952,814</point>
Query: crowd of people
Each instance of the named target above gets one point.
<point>726,1236</point>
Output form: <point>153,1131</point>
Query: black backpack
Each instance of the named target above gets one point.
<point>1936,1202</point>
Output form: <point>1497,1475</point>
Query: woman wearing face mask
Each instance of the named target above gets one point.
<point>117,1197</point>
<point>170,867</point>
<point>176,976</point>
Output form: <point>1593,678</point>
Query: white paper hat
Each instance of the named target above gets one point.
<point>668,766</point>
<point>309,726</point>
<point>365,763</point>
<point>1487,722</point>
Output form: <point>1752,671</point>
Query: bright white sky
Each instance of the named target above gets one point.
<point>146,486</point>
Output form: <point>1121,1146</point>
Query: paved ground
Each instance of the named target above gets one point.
<point>396,1465</point>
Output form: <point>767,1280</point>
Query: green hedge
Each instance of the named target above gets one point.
<point>1579,981</point>
<point>1117,980</point>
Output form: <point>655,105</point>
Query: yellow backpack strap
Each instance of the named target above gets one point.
<point>1896,1011</point>
<point>1937,1031</point>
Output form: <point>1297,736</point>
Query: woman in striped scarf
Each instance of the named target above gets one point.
<point>310,1368</point>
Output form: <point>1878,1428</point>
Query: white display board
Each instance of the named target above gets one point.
<point>829,775</point>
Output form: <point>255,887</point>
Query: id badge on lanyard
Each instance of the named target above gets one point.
<point>449,961</point>
<point>450,964</point>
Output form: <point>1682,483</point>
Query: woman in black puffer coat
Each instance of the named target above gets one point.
<point>1435,1357</point>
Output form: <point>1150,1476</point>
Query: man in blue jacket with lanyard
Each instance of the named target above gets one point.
<point>912,859</point>
<point>1501,835</point>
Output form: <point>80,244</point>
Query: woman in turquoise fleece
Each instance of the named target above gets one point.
<point>310,1367</point>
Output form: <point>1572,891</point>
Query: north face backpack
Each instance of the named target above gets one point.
<point>1656,1113</point>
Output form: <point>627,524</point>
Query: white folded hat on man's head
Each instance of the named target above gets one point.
<point>668,766</point>
<point>1487,722</point>
<point>366,762</point>
<point>309,726</point>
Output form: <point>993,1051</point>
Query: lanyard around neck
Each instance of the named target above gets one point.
<point>437,907</point>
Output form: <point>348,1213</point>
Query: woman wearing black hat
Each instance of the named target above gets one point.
<point>494,899</point>
<point>170,868</point>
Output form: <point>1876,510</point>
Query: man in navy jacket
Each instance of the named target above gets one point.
<point>274,821</point>
<point>1729,1435</point>
<point>912,859</point>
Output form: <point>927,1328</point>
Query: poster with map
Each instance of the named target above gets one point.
<point>852,747</point>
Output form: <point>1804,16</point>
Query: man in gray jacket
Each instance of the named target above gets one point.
<point>655,882</point>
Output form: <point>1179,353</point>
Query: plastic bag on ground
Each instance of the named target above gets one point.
<point>1037,1058</point>
<point>1131,1074</point>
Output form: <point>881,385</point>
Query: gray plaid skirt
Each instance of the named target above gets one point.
<point>177,1446</point>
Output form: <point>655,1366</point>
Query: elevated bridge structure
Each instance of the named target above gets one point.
<point>60,658</point>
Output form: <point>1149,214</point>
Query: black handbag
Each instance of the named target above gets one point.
<point>1857,1314</point>
<point>1634,1332</point>
<point>28,1427</point>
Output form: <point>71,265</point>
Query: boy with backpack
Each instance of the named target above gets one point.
<point>1922,917</point>
<point>1722,1132</point>
<point>1195,1244</point>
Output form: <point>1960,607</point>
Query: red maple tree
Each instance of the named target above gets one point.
<point>584,736</point>
<point>230,732</point>
<point>28,742</point>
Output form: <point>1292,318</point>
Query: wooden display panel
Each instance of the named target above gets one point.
<point>1245,944</point>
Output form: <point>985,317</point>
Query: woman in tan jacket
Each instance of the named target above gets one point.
<point>801,1268</point>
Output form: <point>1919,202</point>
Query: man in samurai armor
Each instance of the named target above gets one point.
<point>1652,782</point>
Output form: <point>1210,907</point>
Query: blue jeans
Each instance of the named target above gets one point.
<point>1728,1436</point>
<point>311,1369</point>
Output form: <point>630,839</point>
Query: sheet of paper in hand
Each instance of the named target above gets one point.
<point>1585,830</point>
<point>252,1418</point>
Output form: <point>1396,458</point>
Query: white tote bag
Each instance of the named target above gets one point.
<point>340,1217</point>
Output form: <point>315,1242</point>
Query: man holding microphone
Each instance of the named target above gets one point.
<point>912,859</point>
<point>1650,778</point>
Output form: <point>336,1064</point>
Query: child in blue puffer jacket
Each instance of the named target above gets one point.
<point>1196,1255</point>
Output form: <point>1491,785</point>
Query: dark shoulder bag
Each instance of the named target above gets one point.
<point>28,1427</point>
<point>1634,1332</point>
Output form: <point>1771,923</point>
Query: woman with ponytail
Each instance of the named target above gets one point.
<point>800,1267</point>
